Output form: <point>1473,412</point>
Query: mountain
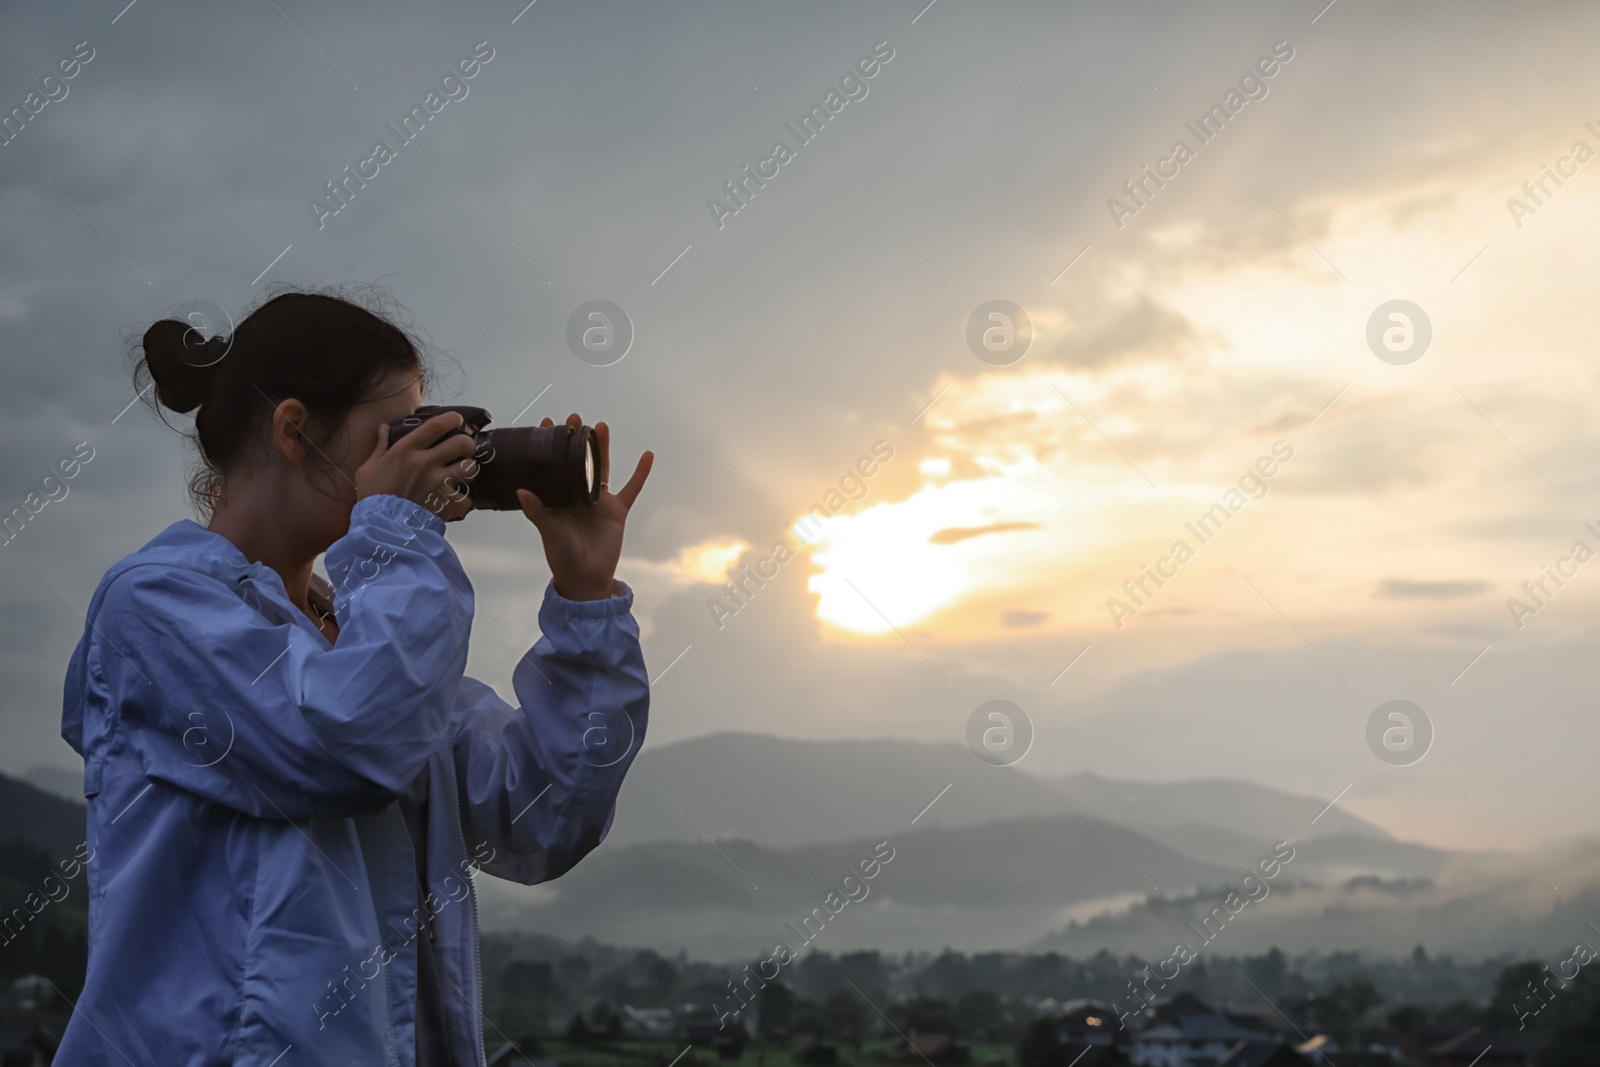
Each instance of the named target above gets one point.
<point>30,814</point>
<point>991,885</point>
<point>783,791</point>
<point>57,781</point>
<point>1256,811</point>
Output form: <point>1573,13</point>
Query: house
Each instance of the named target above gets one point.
<point>1193,1040</point>
<point>1179,1006</point>
<point>1478,1047</point>
<point>1260,1016</point>
<point>1087,1022</point>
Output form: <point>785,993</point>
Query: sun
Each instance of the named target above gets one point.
<point>898,564</point>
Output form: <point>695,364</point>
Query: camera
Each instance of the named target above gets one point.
<point>560,464</point>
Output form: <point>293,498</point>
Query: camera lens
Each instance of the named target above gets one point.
<point>560,464</point>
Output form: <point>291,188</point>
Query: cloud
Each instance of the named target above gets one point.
<point>1143,331</point>
<point>1407,589</point>
<point>710,561</point>
<point>1017,619</point>
<point>951,535</point>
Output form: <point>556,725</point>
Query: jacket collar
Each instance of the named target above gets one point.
<point>188,545</point>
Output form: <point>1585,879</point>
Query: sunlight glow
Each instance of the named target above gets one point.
<point>710,561</point>
<point>894,565</point>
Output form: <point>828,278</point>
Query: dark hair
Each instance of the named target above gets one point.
<point>324,349</point>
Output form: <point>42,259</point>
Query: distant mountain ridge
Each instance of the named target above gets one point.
<point>1067,883</point>
<point>784,791</point>
<point>990,885</point>
<point>57,781</point>
<point>28,813</point>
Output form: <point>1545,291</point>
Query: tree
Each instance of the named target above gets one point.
<point>529,1046</point>
<point>775,1003</point>
<point>605,1022</point>
<point>1040,1045</point>
<point>527,993</point>
<point>844,1017</point>
<point>1267,972</point>
<point>1405,1017</point>
<point>662,979</point>
<point>979,1010</point>
<point>1514,996</point>
<point>921,1005</point>
<point>1342,1010</point>
<point>529,980</point>
<point>1575,1019</point>
<point>575,973</point>
<point>866,970</point>
<point>949,975</point>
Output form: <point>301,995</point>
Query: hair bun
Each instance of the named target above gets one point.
<point>181,363</point>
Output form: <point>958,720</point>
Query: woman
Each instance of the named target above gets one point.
<point>292,785</point>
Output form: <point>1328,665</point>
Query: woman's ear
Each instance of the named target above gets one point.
<point>289,440</point>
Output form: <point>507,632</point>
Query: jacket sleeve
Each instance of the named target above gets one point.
<point>219,698</point>
<point>538,784</point>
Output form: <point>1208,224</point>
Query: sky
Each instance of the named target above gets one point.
<point>1212,344</point>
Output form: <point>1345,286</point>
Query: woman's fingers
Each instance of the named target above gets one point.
<point>630,492</point>
<point>432,432</point>
<point>458,447</point>
<point>383,443</point>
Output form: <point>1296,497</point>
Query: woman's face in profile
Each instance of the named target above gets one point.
<point>394,398</point>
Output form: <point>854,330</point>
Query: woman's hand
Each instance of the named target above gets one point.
<point>423,466</point>
<point>583,543</point>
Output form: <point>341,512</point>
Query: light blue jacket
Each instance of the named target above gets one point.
<point>253,887</point>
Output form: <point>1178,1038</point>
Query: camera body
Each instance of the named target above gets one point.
<point>560,464</point>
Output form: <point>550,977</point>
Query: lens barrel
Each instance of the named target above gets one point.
<point>559,463</point>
